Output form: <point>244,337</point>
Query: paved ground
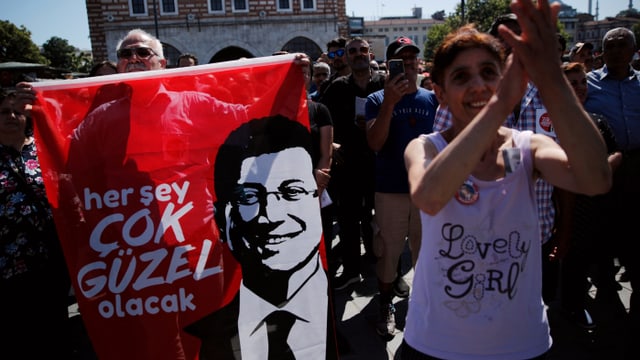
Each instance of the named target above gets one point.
<point>357,307</point>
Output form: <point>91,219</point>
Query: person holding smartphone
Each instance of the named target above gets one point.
<point>396,67</point>
<point>394,116</point>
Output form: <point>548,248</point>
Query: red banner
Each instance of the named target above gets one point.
<point>129,166</point>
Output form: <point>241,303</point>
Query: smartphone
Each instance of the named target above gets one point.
<point>396,66</point>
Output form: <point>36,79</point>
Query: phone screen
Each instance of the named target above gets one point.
<point>396,66</point>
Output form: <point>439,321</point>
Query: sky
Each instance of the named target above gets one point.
<point>374,9</point>
<point>67,19</point>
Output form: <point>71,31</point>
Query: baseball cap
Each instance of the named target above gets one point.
<point>400,44</point>
<point>578,47</point>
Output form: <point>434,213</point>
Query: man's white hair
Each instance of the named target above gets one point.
<point>152,41</point>
<point>322,65</point>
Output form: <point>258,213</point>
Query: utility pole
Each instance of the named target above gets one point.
<point>155,18</point>
<point>462,9</point>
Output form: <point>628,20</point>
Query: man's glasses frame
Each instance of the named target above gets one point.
<point>251,195</point>
<point>335,54</point>
<point>141,52</point>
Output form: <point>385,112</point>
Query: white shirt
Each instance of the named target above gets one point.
<point>309,304</point>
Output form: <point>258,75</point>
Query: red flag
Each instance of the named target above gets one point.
<point>128,162</point>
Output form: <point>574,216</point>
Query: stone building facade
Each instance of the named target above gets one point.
<point>218,30</point>
<point>594,31</point>
<point>380,33</point>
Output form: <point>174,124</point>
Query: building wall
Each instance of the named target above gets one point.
<point>259,32</point>
<point>380,33</point>
<point>594,31</point>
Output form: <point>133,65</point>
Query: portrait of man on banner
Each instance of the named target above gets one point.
<point>129,162</point>
<point>268,214</point>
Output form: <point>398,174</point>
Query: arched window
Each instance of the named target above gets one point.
<point>303,44</point>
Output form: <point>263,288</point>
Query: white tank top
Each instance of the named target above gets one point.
<point>477,284</point>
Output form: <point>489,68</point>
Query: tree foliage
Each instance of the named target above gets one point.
<point>438,15</point>
<point>62,55</point>
<point>632,13</point>
<point>59,53</point>
<point>16,44</point>
<point>483,12</point>
<point>434,38</point>
<point>480,12</point>
<point>82,62</point>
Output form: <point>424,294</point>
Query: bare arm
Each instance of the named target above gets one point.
<point>417,156</point>
<point>581,164</point>
<point>434,179</point>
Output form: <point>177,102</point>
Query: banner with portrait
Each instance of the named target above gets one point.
<point>129,162</point>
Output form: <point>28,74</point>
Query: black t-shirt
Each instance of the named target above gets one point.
<point>340,98</point>
<point>319,117</point>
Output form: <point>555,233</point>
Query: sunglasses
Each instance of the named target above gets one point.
<point>320,74</point>
<point>363,49</point>
<point>337,53</point>
<point>141,52</point>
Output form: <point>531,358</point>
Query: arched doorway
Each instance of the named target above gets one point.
<point>230,53</point>
<point>305,45</point>
<point>171,54</point>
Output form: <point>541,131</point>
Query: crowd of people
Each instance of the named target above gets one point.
<point>509,167</point>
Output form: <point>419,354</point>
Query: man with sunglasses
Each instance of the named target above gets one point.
<point>352,175</point>
<point>335,53</point>
<point>336,60</point>
<point>267,213</point>
<point>139,51</point>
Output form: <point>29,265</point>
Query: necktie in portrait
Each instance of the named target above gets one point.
<point>279,325</point>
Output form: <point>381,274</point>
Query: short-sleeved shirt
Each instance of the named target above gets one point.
<point>340,98</point>
<point>619,102</point>
<point>412,115</point>
<point>319,117</point>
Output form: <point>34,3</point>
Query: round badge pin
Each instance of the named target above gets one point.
<point>467,193</point>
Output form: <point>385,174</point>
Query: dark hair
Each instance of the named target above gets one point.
<point>425,78</point>
<point>188,56</point>
<point>339,42</point>
<point>573,67</point>
<point>253,138</point>
<point>465,38</point>
<point>98,66</point>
